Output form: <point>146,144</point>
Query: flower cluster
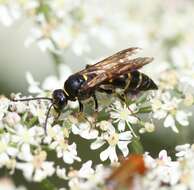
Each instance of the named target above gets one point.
<point>80,148</point>
<point>165,174</point>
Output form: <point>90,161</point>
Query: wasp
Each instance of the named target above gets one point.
<point>117,71</point>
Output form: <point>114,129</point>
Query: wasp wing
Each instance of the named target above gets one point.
<point>112,67</point>
<point>109,62</point>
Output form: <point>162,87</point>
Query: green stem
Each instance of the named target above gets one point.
<point>136,146</point>
<point>47,185</point>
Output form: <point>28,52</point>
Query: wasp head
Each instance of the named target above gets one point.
<point>59,99</point>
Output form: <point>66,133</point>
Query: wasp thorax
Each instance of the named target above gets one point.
<point>73,84</point>
<point>59,99</point>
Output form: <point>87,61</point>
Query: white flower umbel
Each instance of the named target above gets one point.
<point>124,115</point>
<point>167,107</point>
<point>37,168</point>
<point>113,139</point>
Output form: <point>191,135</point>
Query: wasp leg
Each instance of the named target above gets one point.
<point>96,102</point>
<point>81,107</point>
<point>58,115</point>
<point>107,91</point>
<point>122,97</point>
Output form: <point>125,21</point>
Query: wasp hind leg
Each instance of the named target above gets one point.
<point>123,97</point>
<point>95,102</point>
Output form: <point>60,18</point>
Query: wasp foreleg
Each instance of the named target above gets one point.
<point>81,107</point>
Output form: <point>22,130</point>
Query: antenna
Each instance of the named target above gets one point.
<point>47,116</point>
<point>29,99</point>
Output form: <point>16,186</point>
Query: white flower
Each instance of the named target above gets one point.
<point>19,107</point>
<point>53,133</point>
<point>182,150</point>
<point>88,178</point>
<point>39,109</point>
<point>12,118</point>
<point>123,115</point>
<point>33,85</point>
<point>6,150</point>
<point>9,14</point>
<point>162,170</point>
<point>7,184</point>
<point>4,104</point>
<point>167,107</point>
<point>25,137</point>
<point>37,168</point>
<point>113,139</point>
<point>61,173</point>
<point>84,130</point>
<point>52,82</point>
<point>65,151</point>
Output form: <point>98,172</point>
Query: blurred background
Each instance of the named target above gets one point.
<point>38,35</point>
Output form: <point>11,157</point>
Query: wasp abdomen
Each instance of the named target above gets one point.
<point>139,82</point>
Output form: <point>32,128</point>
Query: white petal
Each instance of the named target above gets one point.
<point>25,152</point>
<point>3,158</point>
<point>12,151</point>
<point>169,122</point>
<point>123,147</point>
<point>105,154</point>
<point>89,134</point>
<point>160,114</point>
<point>75,129</point>
<point>182,118</point>
<point>113,156</point>
<point>121,125</point>
<point>132,119</point>
<point>27,169</point>
<point>125,136</point>
<point>97,144</point>
<point>68,158</point>
<point>86,169</point>
<point>50,83</point>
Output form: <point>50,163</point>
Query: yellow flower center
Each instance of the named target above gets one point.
<point>113,139</point>
<point>39,159</point>
<point>157,104</point>
<point>63,144</point>
<point>124,114</point>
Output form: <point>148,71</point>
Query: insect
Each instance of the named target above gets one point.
<point>116,71</point>
<point>124,174</point>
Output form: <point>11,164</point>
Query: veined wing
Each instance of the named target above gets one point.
<point>110,62</point>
